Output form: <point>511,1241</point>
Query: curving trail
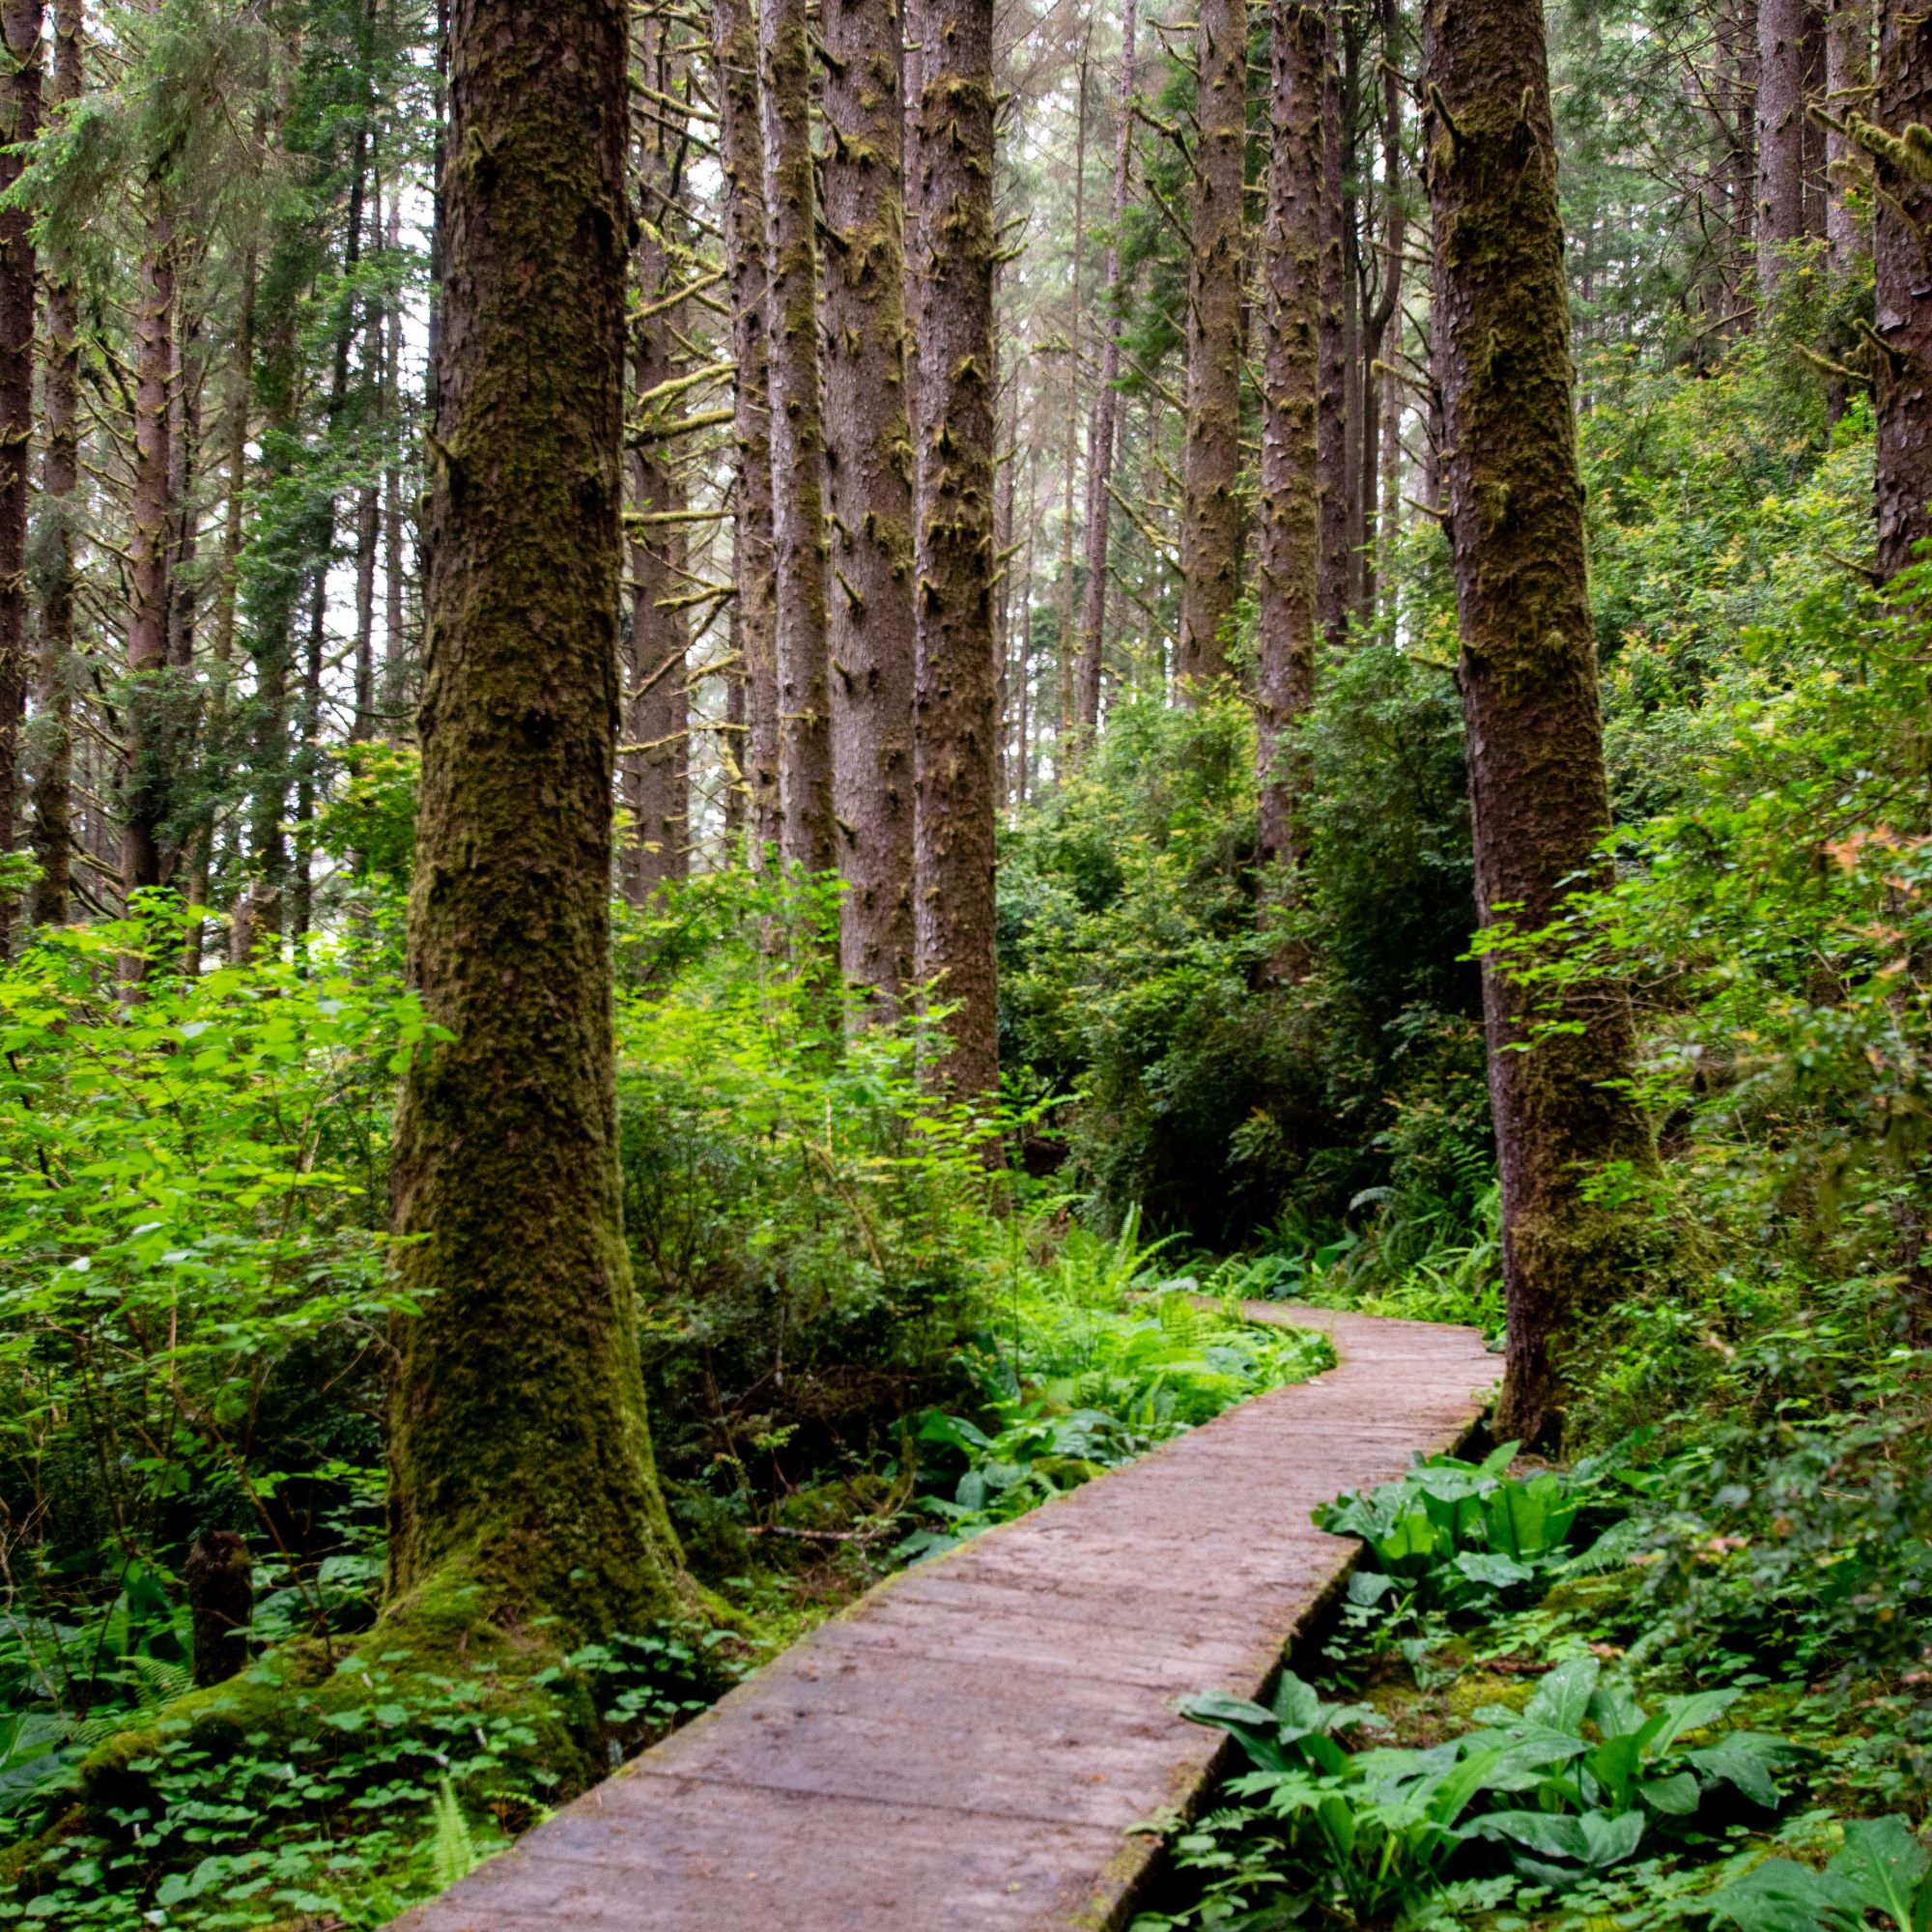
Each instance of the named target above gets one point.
<point>968,1744</point>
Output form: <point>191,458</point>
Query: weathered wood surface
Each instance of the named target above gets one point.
<point>969,1744</point>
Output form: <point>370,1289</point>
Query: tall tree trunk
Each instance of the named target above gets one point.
<point>1331,589</point>
<point>1100,451</point>
<point>654,765</point>
<point>227,588</point>
<point>520,1457</point>
<point>1904,316</point>
<point>1528,670</point>
<point>868,484</point>
<point>1354,372</point>
<point>145,732</point>
<point>20,121</point>
<point>1381,397</point>
<point>1211,524</point>
<point>798,442</point>
<point>1811,154</point>
<point>735,50</point>
<point>368,521</point>
<point>396,679</point>
<point>1065,725</point>
<point>1848,74</point>
<point>954,719</point>
<point>53,773</point>
<point>1289,513</point>
<point>308,716</point>
<point>1781,137</point>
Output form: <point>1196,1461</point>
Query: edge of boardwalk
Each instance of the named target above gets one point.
<point>969,1744</point>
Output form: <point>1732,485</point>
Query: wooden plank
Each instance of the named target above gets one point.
<point>971,1743</point>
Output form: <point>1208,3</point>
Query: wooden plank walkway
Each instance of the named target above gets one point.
<point>968,1744</point>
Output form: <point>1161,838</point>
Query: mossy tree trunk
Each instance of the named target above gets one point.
<point>955,718</point>
<point>868,487</point>
<point>655,764</point>
<point>734,51</point>
<point>1904,316</point>
<point>20,121</point>
<point>1210,527</point>
<point>1106,413</point>
<point>798,442</point>
<point>53,764</point>
<point>1289,541</point>
<point>1528,672</point>
<point>520,1457</point>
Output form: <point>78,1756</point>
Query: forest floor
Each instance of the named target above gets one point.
<point>973,1744</point>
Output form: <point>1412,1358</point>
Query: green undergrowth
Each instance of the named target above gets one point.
<point>1557,1698</point>
<point>862,1344</point>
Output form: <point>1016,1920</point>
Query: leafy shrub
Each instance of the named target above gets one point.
<point>1569,1787</point>
<point>1451,1535</point>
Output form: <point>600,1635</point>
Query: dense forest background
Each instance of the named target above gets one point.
<point>1067,610</point>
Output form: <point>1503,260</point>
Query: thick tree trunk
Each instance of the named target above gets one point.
<point>1210,511</point>
<point>869,486</point>
<point>734,45</point>
<point>1903,315</point>
<point>798,443</point>
<point>1331,590</point>
<point>654,765</point>
<point>1289,513</point>
<point>20,121</point>
<point>53,697</point>
<point>1528,672</point>
<point>1101,453</point>
<point>954,719</point>
<point>1848,73</point>
<point>520,1457</point>
<point>1781,137</point>
<point>145,732</point>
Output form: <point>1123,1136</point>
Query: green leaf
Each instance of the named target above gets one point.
<point>1885,1866</point>
<point>1783,1896</point>
<point>1563,1697</point>
<point>1745,1759</point>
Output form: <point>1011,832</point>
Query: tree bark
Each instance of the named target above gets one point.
<point>1848,73</point>
<point>1101,453</point>
<point>1528,672</point>
<point>1781,137</point>
<point>798,442</point>
<point>1289,513</point>
<point>1065,725</point>
<point>735,50</point>
<point>1210,519</point>
<point>868,484</point>
<point>144,734</point>
<point>1381,398</point>
<point>955,717</point>
<point>520,1457</point>
<point>1331,588</point>
<point>20,121</point>
<point>396,678</point>
<point>1904,316</point>
<point>53,773</point>
<point>654,766</point>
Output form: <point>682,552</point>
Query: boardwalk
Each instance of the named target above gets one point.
<point>968,1746</point>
